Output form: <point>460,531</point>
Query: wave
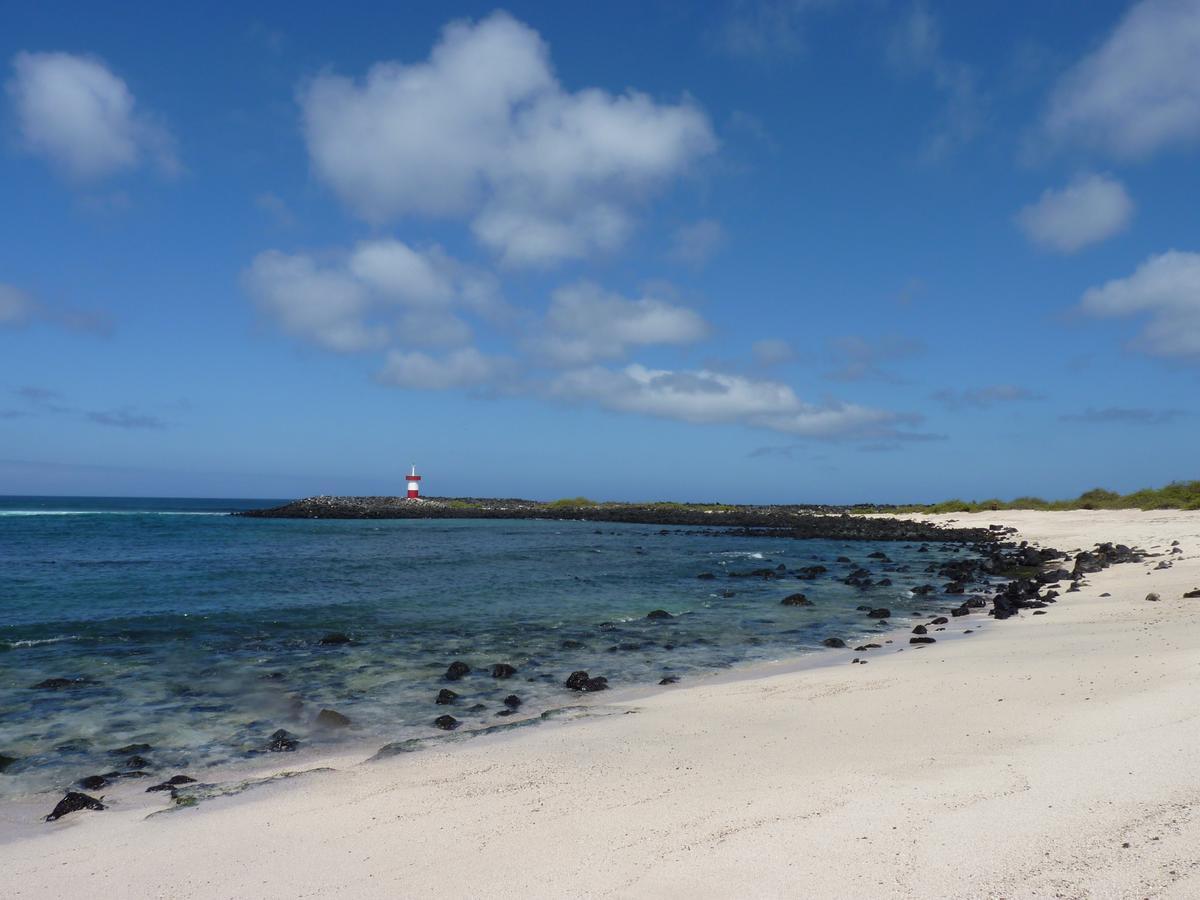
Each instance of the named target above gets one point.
<point>34,642</point>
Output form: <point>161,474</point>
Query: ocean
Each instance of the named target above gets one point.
<point>192,636</point>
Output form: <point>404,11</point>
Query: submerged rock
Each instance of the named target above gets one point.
<point>581,681</point>
<point>659,614</point>
<point>73,802</point>
<point>670,679</point>
<point>446,723</point>
<point>282,741</point>
<point>334,639</point>
<point>880,613</point>
<point>445,695</point>
<point>456,670</point>
<point>6,761</point>
<point>138,762</point>
<point>331,718</point>
<point>62,684</point>
<point>795,600</point>
<point>833,642</point>
<point>95,782</point>
<point>503,670</point>
<point>512,701</point>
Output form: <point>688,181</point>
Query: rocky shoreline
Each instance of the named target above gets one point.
<point>828,522</point>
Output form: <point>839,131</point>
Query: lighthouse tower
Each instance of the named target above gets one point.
<point>414,485</point>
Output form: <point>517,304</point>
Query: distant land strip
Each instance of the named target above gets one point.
<point>829,522</point>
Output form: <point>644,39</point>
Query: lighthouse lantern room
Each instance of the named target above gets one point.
<point>414,485</point>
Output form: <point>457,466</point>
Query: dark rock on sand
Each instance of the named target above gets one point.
<point>866,647</point>
<point>795,600</point>
<point>446,723</point>
<point>503,670</point>
<point>1153,598</point>
<point>920,629</point>
<point>334,639</point>
<point>922,640</point>
<point>659,614</point>
<point>331,718</point>
<point>282,741</point>
<point>172,782</point>
<point>62,684</point>
<point>73,802</point>
<point>670,679</point>
<point>833,642</point>
<point>445,695</point>
<point>940,620</point>
<point>1190,595</point>
<point>456,670</point>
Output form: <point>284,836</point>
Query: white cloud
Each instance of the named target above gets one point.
<point>76,113</point>
<point>462,368</point>
<point>586,323</point>
<point>1165,289</point>
<point>382,292</point>
<point>696,242</point>
<point>1139,91</point>
<point>484,131</point>
<point>16,306</point>
<point>705,397</point>
<point>772,352</point>
<point>322,305</point>
<point>1088,210</point>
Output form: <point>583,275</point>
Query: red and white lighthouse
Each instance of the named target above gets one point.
<point>414,485</point>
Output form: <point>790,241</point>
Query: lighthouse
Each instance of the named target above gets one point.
<point>414,485</point>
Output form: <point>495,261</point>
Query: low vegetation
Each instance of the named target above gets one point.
<point>1176,495</point>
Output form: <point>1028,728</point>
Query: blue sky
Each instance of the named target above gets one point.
<point>818,250</point>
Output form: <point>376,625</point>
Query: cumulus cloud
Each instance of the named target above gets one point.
<point>1088,210</point>
<point>916,46</point>
<point>1165,291</point>
<point>73,111</point>
<point>466,367</point>
<point>705,397</point>
<point>586,323</point>
<point>1136,93</point>
<point>484,131</point>
<point>695,242</point>
<point>381,292</point>
<point>984,397</point>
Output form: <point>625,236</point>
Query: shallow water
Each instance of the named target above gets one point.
<point>199,632</point>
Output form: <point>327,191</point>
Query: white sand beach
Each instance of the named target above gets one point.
<point>1044,756</point>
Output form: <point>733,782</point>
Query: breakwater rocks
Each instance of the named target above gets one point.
<point>833,523</point>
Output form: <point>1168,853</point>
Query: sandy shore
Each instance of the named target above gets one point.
<point>1046,756</point>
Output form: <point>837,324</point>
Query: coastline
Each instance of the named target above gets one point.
<point>1015,763</point>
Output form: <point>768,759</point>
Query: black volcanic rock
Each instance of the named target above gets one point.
<point>445,695</point>
<point>456,670</point>
<point>73,802</point>
<point>795,600</point>
<point>503,670</point>
<point>922,640</point>
<point>334,639</point>
<point>833,642</point>
<point>659,614</point>
<point>446,723</point>
<point>62,684</point>
<point>282,741</point>
<point>331,718</point>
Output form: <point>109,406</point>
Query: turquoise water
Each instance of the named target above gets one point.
<point>198,633</point>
